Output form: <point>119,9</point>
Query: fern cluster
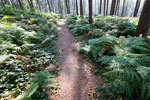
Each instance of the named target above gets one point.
<point>110,44</point>
<point>27,45</point>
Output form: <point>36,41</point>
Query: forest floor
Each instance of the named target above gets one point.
<point>75,77</point>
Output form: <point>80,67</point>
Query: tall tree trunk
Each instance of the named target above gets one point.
<point>49,6</point>
<point>39,4</point>
<point>77,7</point>
<point>60,6</point>
<point>118,6</point>
<point>104,7</point>
<point>113,5</point>
<point>2,3</point>
<point>126,7</point>
<point>90,12</point>
<point>81,8</point>
<point>21,4</point>
<point>100,8</point>
<point>31,3</point>
<point>123,8</point>
<point>138,2</point>
<point>12,3</point>
<point>144,22</point>
<point>67,6</point>
<point>107,7</point>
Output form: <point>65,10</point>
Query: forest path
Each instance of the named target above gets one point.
<point>74,77</point>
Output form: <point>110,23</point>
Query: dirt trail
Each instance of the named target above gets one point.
<point>74,78</point>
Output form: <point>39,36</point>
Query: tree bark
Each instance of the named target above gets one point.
<point>49,6</point>
<point>138,2</point>
<point>31,3</point>
<point>100,8</point>
<point>21,4</point>
<point>118,6</point>
<point>90,12</point>
<point>113,5</point>
<point>60,6</point>
<point>38,4</point>
<point>2,3</point>
<point>77,7</point>
<point>122,13</point>
<point>67,6</point>
<point>104,7</point>
<point>144,22</point>
<point>107,7</point>
<point>81,8</point>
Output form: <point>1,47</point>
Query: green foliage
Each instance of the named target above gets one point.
<point>111,45</point>
<point>41,81</point>
<point>27,45</point>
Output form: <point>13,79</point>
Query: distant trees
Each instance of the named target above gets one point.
<point>90,12</point>
<point>105,7</point>
<point>144,22</point>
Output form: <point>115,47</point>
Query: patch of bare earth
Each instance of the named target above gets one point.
<point>75,78</point>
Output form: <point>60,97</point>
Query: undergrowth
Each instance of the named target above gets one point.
<point>110,43</point>
<point>27,47</point>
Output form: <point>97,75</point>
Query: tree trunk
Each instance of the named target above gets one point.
<point>49,6</point>
<point>118,6</point>
<point>67,6</point>
<point>107,7</point>
<point>144,22</point>
<point>90,12</point>
<point>104,7</point>
<point>100,8</point>
<point>2,3</point>
<point>21,4</point>
<point>39,4</point>
<point>113,5</point>
<point>122,13</point>
<point>126,7</point>
<point>60,6</point>
<point>138,2</point>
<point>81,8</point>
<point>31,3</point>
<point>77,7</point>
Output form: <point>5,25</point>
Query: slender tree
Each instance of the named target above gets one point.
<point>38,2</point>
<point>77,7</point>
<point>107,7</point>
<point>21,4</point>
<point>60,7</point>
<point>31,3</point>
<point>104,7</point>
<point>81,8</point>
<point>2,3</point>
<point>67,6</point>
<point>100,8</point>
<point>113,5</point>
<point>117,7</point>
<point>122,13</point>
<point>144,22</point>
<point>49,6</point>
<point>137,6</point>
<point>90,12</point>
<point>12,3</point>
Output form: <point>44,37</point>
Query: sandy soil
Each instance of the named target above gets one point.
<point>75,78</point>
